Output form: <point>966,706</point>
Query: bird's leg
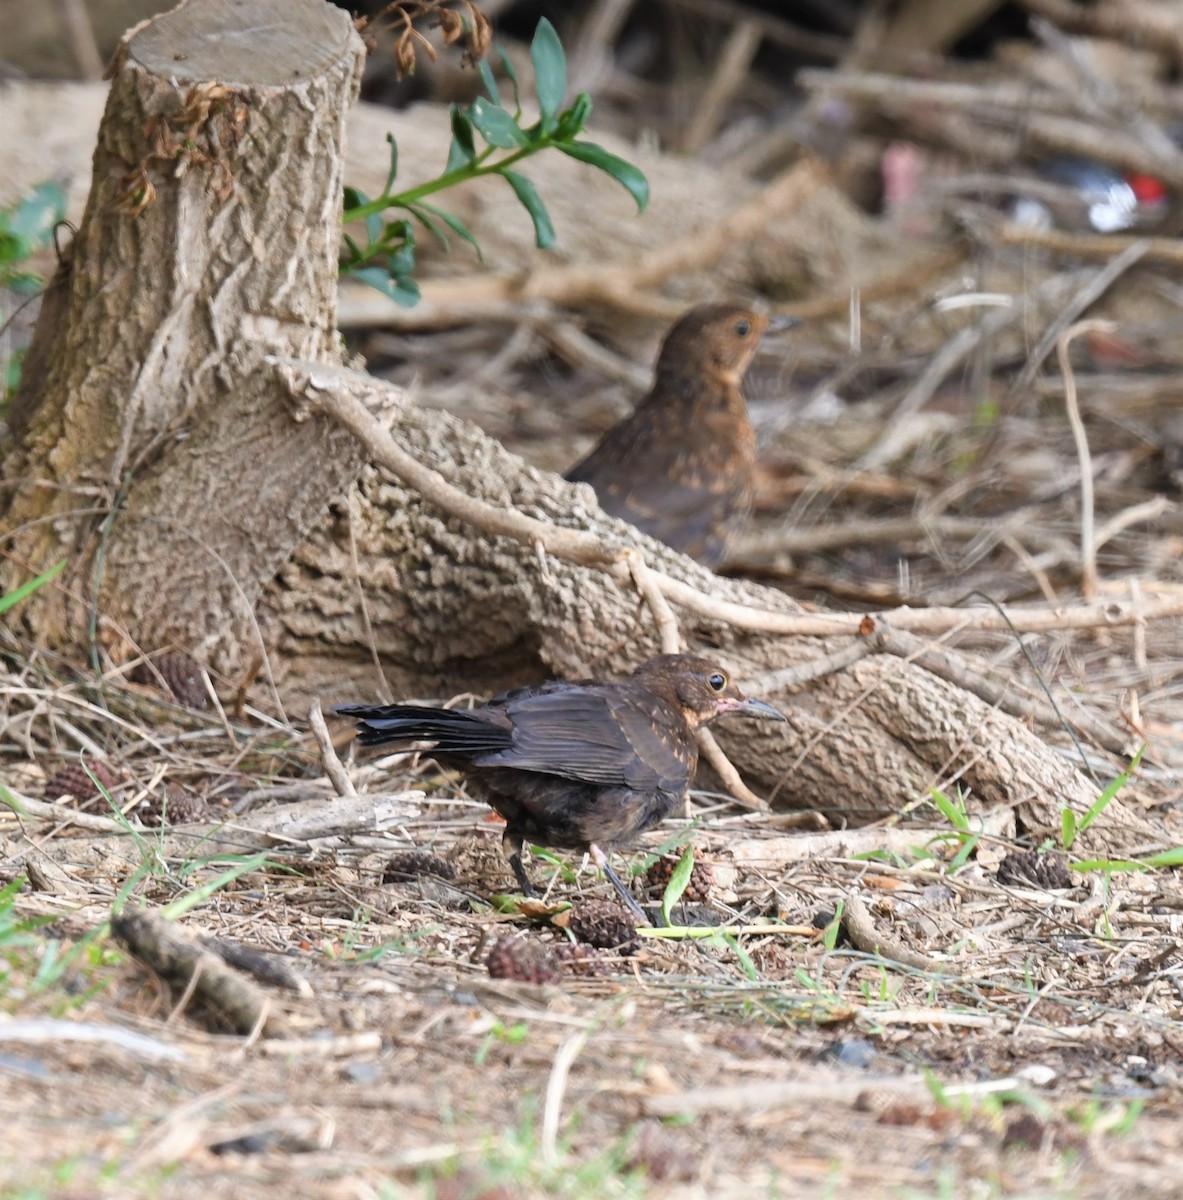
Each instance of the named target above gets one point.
<point>601,861</point>
<point>511,847</point>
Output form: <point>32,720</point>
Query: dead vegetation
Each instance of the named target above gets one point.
<point>926,1005</point>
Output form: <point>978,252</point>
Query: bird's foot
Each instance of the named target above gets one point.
<point>625,895</point>
<point>519,871</point>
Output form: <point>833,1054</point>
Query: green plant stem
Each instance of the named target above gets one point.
<point>472,170</point>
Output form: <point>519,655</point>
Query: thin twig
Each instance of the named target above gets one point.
<point>1089,245</point>
<point>663,616</point>
<point>740,792</point>
<point>1088,544</point>
<point>1141,662</point>
<point>62,814</point>
<point>860,928</point>
<point>556,1087</point>
<point>1148,510</point>
<point>1091,292</point>
<point>334,769</point>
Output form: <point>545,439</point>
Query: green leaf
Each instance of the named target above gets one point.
<point>950,810</point>
<point>13,598</point>
<point>631,179</point>
<point>402,261</point>
<point>1115,786</point>
<point>677,884</point>
<point>833,927</point>
<point>456,225</point>
<point>1067,828</point>
<point>487,79</point>
<point>745,959</point>
<point>527,193</point>
<point>968,846</point>
<point>394,235</point>
<point>512,76</point>
<point>199,895</point>
<point>12,376</point>
<point>355,199</point>
<point>550,72</point>
<point>1165,858</point>
<point>35,216</point>
<point>456,160</point>
<point>495,125</point>
<point>403,291</point>
<point>417,212</point>
<point>462,131</point>
<point>575,118</point>
<point>462,150</point>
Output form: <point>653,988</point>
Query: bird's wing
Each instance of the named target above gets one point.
<point>644,473</point>
<point>690,518</point>
<point>602,737</point>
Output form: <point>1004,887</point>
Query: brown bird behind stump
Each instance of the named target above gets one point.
<point>575,766</point>
<point>681,467</point>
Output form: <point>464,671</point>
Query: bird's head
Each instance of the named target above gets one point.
<point>718,340</point>
<point>702,689</point>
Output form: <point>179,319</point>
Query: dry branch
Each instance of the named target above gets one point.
<point>860,928</point>
<point>170,952</point>
<point>1007,121</point>
<point>1019,702</point>
<point>1093,246</point>
<point>1143,26</point>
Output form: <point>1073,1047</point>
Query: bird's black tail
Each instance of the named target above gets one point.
<point>454,731</point>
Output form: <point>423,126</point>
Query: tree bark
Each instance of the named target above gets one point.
<point>388,578</point>
<point>209,239</point>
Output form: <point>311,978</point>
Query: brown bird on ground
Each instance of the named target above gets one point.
<point>575,766</point>
<point>680,468</point>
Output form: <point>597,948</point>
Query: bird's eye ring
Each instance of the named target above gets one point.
<point>717,682</point>
<point>743,328</point>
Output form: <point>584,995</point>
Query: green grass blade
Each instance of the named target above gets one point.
<point>11,599</point>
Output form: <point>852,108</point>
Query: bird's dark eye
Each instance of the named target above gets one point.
<point>743,328</point>
<point>717,681</point>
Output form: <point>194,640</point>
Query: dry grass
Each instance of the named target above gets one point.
<point>1037,1054</point>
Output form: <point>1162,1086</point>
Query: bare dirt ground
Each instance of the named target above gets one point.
<point>1008,1039</point>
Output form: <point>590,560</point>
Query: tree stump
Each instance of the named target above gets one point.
<point>155,456</point>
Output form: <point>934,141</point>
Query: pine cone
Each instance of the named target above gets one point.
<point>410,864</point>
<point>74,781</point>
<point>181,674</point>
<point>522,960</point>
<point>581,959</point>
<point>173,805</point>
<point>698,889</point>
<point>1029,868</point>
<point>605,924</point>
